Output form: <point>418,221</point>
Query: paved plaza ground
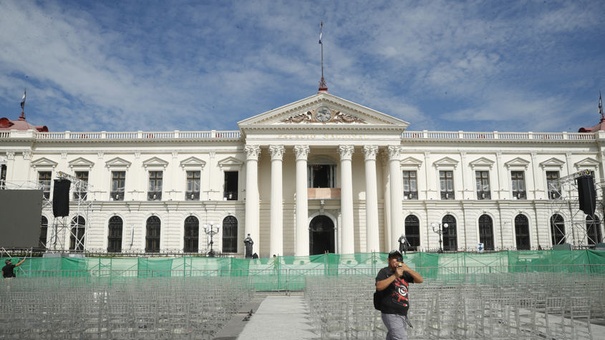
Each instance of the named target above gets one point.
<point>286,316</point>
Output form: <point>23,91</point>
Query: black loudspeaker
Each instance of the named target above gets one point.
<point>61,198</point>
<point>587,194</point>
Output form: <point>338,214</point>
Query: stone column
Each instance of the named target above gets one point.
<point>277,210</point>
<point>252,195</point>
<point>386,205</point>
<point>346,199</point>
<point>396,195</point>
<point>302,204</point>
<point>372,233</point>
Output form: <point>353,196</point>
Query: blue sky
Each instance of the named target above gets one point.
<point>199,65</point>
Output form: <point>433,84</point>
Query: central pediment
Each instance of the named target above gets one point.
<point>322,111</point>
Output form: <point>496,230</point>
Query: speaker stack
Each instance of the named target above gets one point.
<point>61,198</point>
<point>587,194</point>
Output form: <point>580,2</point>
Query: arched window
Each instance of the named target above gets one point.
<point>450,236</point>
<point>522,232</point>
<point>557,229</point>
<point>230,234</point>
<point>152,238</point>
<point>593,230</point>
<point>412,232</point>
<point>192,234</point>
<point>486,232</point>
<point>78,229</point>
<point>114,235</point>
<point>43,232</point>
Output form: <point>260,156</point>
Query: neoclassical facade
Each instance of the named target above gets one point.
<point>322,174</point>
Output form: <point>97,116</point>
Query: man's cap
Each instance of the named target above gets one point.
<point>7,261</point>
<point>394,254</point>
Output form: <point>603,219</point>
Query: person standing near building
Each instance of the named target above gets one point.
<point>248,242</point>
<point>392,285</point>
<point>8,270</point>
<point>403,244</point>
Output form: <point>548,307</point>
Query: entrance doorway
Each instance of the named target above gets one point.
<point>321,235</point>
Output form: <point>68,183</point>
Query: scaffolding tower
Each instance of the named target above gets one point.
<point>76,226</point>
<point>581,230</point>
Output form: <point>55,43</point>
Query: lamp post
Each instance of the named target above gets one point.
<point>211,229</point>
<point>438,228</point>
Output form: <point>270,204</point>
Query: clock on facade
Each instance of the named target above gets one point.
<point>323,114</point>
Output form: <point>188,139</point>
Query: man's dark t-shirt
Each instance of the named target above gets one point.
<point>395,298</point>
<point>9,270</point>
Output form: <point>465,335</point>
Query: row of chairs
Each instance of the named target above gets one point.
<point>500,306</point>
<point>151,308</point>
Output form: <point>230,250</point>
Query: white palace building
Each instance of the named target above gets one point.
<point>322,174</point>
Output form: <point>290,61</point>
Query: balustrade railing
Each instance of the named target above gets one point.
<point>235,134</point>
<point>495,135</point>
<point>103,135</point>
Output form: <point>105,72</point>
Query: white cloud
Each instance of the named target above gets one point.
<point>206,65</point>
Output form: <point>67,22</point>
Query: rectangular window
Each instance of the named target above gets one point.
<point>410,187</point>
<point>118,182</point>
<point>44,180</point>
<point>193,186</point>
<point>230,240</point>
<point>192,239</point>
<point>518,184</point>
<point>482,181</point>
<point>322,176</point>
<point>114,239</point>
<point>553,185</point>
<point>155,186</point>
<point>230,186</point>
<point>80,188</point>
<point>446,181</point>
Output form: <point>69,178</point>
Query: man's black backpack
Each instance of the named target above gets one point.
<point>378,295</point>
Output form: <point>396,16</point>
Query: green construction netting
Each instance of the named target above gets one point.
<point>289,272</point>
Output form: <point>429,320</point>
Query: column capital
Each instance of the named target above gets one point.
<point>394,151</point>
<point>301,151</point>
<point>346,152</point>
<point>277,152</point>
<point>370,151</point>
<point>252,152</point>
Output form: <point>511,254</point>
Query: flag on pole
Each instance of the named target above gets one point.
<point>600,104</point>
<point>321,28</point>
<point>23,100</point>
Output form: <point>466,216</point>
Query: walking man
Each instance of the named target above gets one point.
<point>392,283</point>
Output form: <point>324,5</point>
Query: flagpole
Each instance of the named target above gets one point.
<point>601,107</point>
<point>22,117</point>
<point>322,83</point>
<point>322,48</point>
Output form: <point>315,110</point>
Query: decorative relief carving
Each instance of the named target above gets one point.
<point>323,115</point>
<point>341,117</point>
<point>299,118</point>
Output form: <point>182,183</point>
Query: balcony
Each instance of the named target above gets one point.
<point>323,193</point>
